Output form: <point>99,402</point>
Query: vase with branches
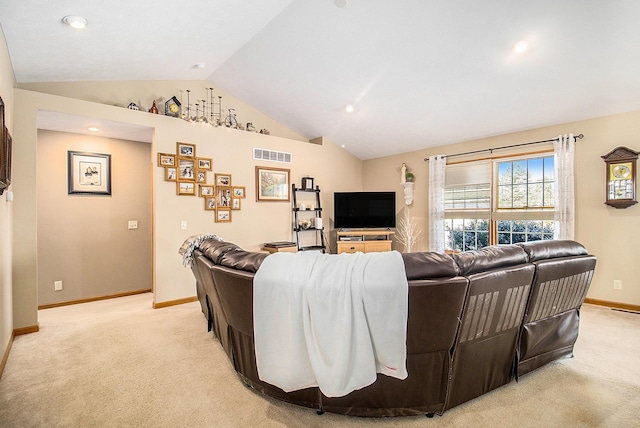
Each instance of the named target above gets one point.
<point>408,231</point>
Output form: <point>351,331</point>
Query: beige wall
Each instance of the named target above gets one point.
<point>143,93</point>
<point>231,150</point>
<point>7,83</point>
<point>613,235</point>
<point>84,240</point>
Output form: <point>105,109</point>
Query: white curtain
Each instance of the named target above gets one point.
<point>564,216</point>
<point>437,166</point>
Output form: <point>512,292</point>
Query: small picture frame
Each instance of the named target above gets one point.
<point>186,169</point>
<point>223,216</point>
<point>205,164</point>
<point>209,203</point>
<point>201,176</point>
<point>186,188</point>
<point>206,190</point>
<point>239,192</point>
<point>272,184</point>
<point>223,197</point>
<point>236,203</point>
<point>186,150</point>
<point>166,159</point>
<point>222,179</point>
<point>89,173</point>
<point>171,173</point>
<point>307,183</point>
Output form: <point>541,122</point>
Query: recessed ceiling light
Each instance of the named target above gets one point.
<point>341,3</point>
<point>349,108</point>
<point>522,46</point>
<point>93,129</point>
<point>75,21</point>
<point>200,65</point>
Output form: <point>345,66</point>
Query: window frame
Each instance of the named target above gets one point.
<point>495,214</point>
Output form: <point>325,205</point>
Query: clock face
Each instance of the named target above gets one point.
<point>621,171</point>
<point>173,108</point>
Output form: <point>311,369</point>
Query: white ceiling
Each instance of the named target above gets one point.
<point>420,73</point>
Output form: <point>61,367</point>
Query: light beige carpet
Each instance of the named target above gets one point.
<point>119,363</point>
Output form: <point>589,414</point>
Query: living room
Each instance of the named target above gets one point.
<point>606,232</point>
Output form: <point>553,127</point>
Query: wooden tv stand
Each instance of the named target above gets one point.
<point>365,241</point>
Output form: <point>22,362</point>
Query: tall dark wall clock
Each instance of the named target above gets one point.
<point>621,177</point>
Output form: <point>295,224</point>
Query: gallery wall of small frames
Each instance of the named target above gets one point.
<point>191,175</point>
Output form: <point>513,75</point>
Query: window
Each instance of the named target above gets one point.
<point>499,201</point>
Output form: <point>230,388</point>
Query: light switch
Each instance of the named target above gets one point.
<point>133,224</point>
<point>183,225</point>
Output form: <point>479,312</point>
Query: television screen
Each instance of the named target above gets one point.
<point>364,210</point>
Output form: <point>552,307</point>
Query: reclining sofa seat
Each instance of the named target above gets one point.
<point>499,282</point>
<point>436,296</point>
<point>475,319</point>
<point>563,274</point>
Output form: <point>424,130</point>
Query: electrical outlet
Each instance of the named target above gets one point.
<point>133,224</point>
<point>57,285</point>
<point>617,284</point>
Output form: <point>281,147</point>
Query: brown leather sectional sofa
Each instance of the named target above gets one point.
<point>476,321</point>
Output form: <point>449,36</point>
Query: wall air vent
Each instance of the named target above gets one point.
<point>271,155</point>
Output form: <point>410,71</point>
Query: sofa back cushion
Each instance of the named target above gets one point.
<point>552,249</point>
<point>488,258</point>
<point>429,265</point>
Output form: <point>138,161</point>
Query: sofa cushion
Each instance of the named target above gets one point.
<point>429,265</point>
<point>539,250</point>
<point>242,260</point>
<point>215,250</point>
<point>488,258</point>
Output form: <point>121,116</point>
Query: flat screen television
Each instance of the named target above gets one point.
<point>353,210</point>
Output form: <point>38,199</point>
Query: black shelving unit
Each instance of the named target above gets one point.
<point>300,216</point>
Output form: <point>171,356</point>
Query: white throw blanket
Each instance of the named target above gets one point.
<point>331,321</point>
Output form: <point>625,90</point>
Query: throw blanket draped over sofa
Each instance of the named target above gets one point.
<point>475,321</point>
<point>332,321</point>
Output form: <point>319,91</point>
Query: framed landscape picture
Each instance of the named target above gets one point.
<point>166,159</point>
<point>205,164</point>
<point>186,188</point>
<point>223,215</point>
<point>89,173</point>
<point>186,150</point>
<point>239,192</point>
<point>272,184</point>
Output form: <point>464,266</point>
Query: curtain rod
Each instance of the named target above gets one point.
<point>577,137</point>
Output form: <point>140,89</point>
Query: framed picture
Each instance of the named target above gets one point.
<point>186,169</point>
<point>223,179</point>
<point>205,164</point>
<point>5,159</point>
<point>201,176</point>
<point>272,184</point>
<point>236,203</point>
<point>166,159</point>
<point>239,192</point>
<point>171,173</point>
<point>223,197</point>
<point>186,150</point>
<point>209,203</point>
<point>223,216</point>
<point>206,190</point>
<point>88,173</point>
<point>186,188</point>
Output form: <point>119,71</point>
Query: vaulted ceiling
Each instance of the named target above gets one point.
<point>418,73</point>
